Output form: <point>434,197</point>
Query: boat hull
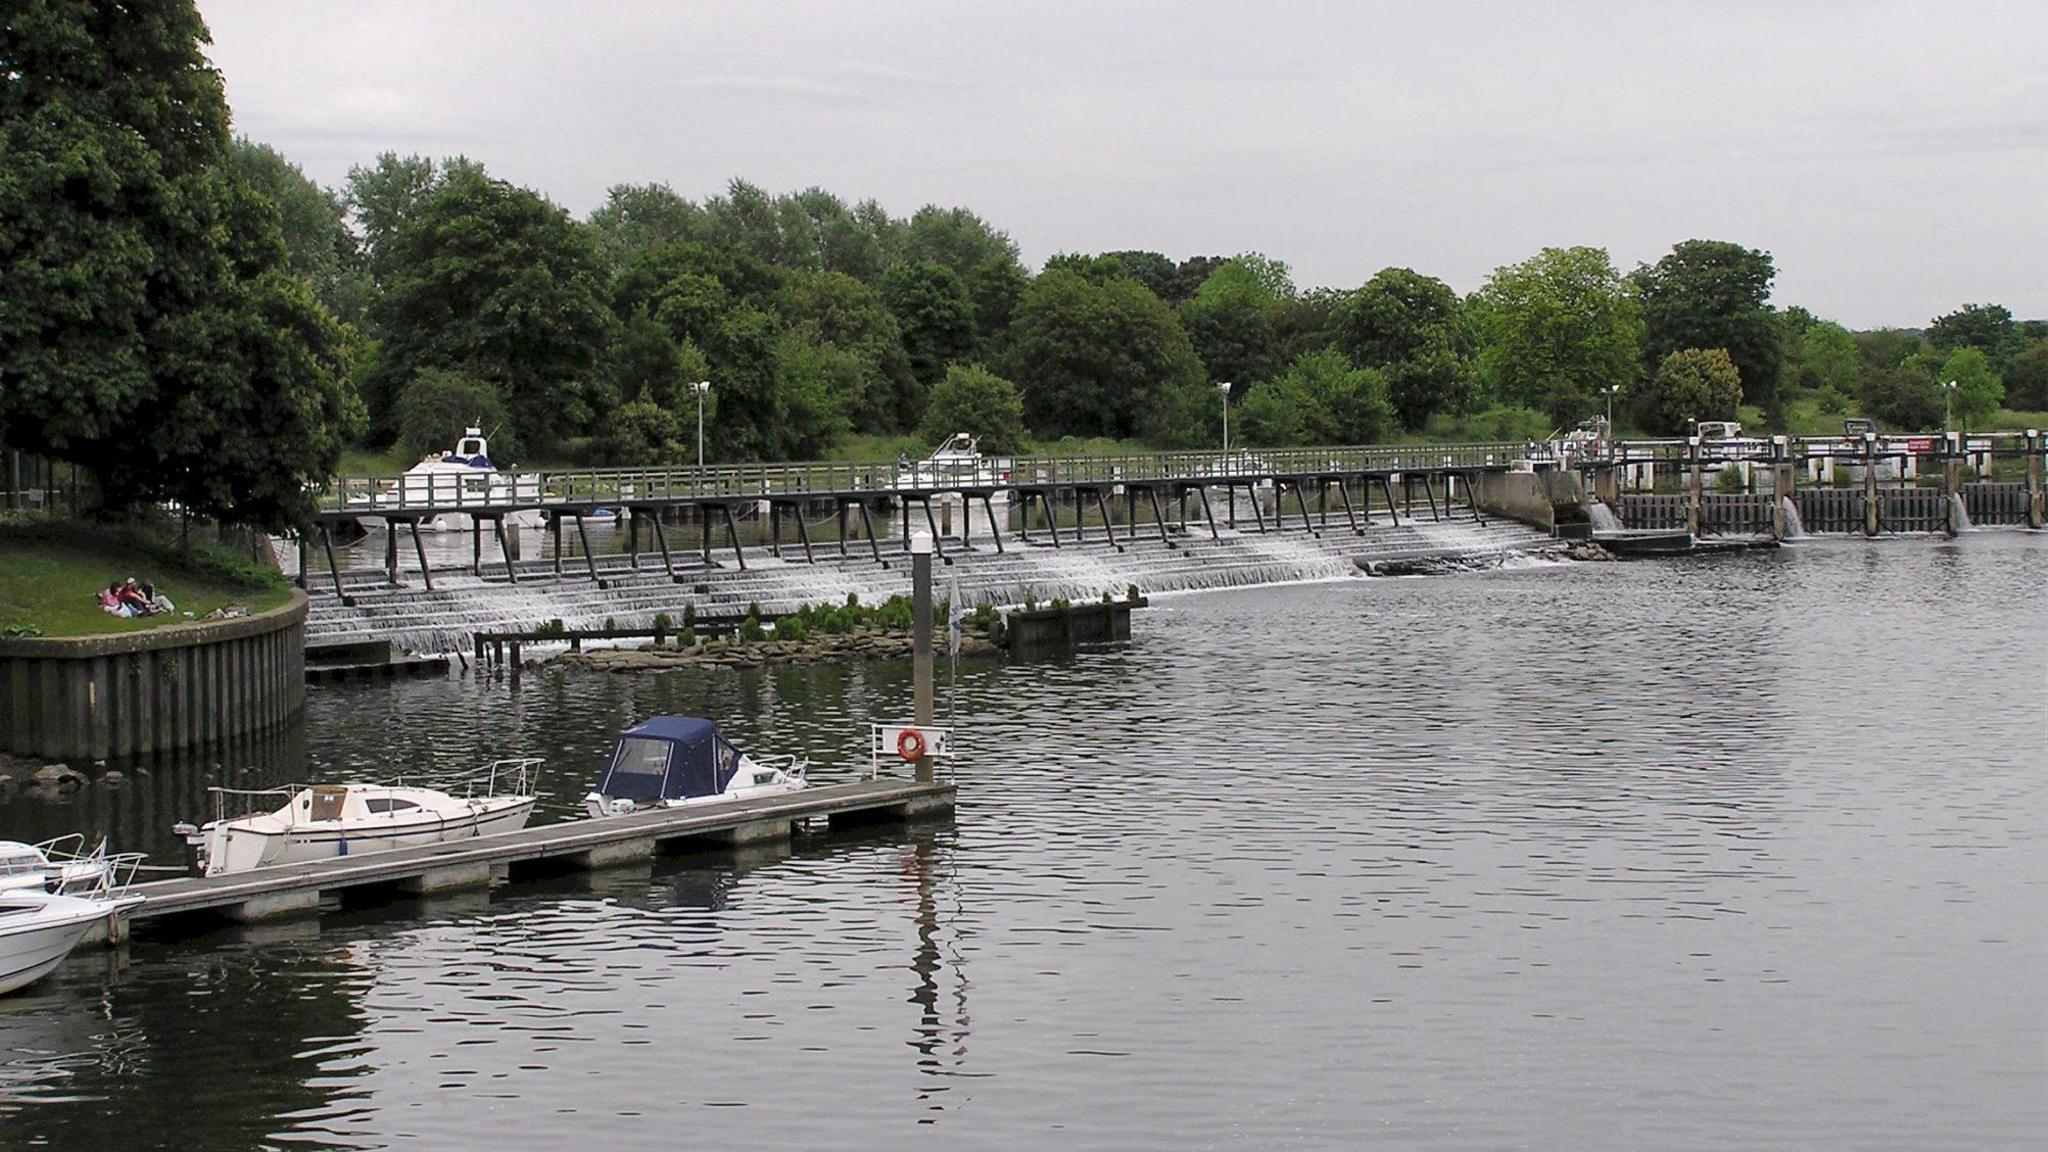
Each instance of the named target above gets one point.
<point>30,952</point>
<point>243,849</point>
<point>598,806</point>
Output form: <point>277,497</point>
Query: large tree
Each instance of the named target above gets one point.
<point>1234,322</point>
<point>934,312</point>
<point>1989,328</point>
<point>493,281</point>
<point>1101,359</point>
<point>836,309</point>
<point>2026,383</point>
<point>151,327</point>
<point>637,218</point>
<point>1411,327</point>
<point>318,242</point>
<point>1557,330</point>
<point>1321,398</point>
<point>1692,384</point>
<point>1714,294</point>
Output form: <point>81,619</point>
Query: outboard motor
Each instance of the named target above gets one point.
<point>195,846</point>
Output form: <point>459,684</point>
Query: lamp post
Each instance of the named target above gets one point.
<point>1948,399</point>
<point>1611,390</point>
<point>700,387</point>
<point>1223,386</point>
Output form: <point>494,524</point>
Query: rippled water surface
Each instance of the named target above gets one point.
<point>1741,853</point>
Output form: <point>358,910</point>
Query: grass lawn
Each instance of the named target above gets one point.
<point>49,585</point>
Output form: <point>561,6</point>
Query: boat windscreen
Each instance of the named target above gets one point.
<point>637,768</point>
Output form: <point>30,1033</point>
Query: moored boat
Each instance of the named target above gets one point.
<point>325,821</point>
<point>61,865</point>
<point>38,928</point>
<point>460,477</point>
<point>670,761</point>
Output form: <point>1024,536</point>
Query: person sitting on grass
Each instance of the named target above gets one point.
<point>110,601</point>
<point>131,595</point>
<point>157,601</point>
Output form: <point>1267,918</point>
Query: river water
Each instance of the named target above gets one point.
<point>1737,853</point>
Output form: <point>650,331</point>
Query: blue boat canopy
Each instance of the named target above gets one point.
<point>669,758</point>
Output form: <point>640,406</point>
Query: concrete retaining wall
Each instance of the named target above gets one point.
<point>179,686</point>
<point>1538,499</point>
<point>1041,630</point>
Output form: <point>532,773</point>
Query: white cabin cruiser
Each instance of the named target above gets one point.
<point>325,821</point>
<point>61,865</point>
<point>39,929</point>
<point>957,463</point>
<point>462,476</point>
<point>671,761</point>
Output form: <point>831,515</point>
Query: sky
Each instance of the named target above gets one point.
<point>1893,157</point>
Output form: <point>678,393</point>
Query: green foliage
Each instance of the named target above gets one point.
<point>1320,399</point>
<point>494,281</point>
<point>1988,328</point>
<point>1060,604</point>
<point>1714,294</point>
<point>319,247</point>
<point>687,638</point>
<point>151,327</point>
<point>662,622</point>
<point>610,624</point>
<point>642,434</point>
<point>1132,594</point>
<point>974,400</point>
<point>1233,320</point>
<point>1905,396</point>
<point>1413,328</point>
<point>1978,391</point>
<point>935,314</point>
<point>1691,384</point>
<point>753,609</point>
<point>751,632</point>
<point>795,628</point>
<point>689,615</point>
<point>1556,330</point>
<point>437,405</point>
<point>1828,362</point>
<point>2026,382</point>
<point>1506,422</point>
<point>1104,359</point>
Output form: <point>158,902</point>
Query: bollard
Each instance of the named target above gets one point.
<point>921,641</point>
<point>1871,520</point>
<point>1951,480</point>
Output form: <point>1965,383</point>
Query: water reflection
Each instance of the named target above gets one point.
<point>1738,853</point>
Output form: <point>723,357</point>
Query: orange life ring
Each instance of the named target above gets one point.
<point>910,744</point>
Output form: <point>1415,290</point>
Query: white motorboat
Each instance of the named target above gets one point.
<point>463,476</point>
<point>61,865</point>
<point>325,821</point>
<point>671,761</point>
<point>39,929</point>
<point>958,463</point>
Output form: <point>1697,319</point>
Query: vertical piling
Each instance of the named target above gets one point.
<point>2037,510</point>
<point>1781,486</point>
<point>921,642</point>
<point>1695,491</point>
<point>1951,481</point>
<point>1872,521</point>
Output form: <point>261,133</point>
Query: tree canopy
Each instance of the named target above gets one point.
<point>1714,294</point>
<point>151,326</point>
<point>1101,359</point>
<point>1692,384</point>
<point>1557,330</point>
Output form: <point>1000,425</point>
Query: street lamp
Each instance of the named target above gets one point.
<point>1611,389</point>
<point>1948,397</point>
<point>700,387</point>
<point>1223,386</point>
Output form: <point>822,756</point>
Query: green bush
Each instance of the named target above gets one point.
<point>751,631</point>
<point>753,609</point>
<point>610,625</point>
<point>1132,594</point>
<point>662,623</point>
<point>437,404</point>
<point>974,400</point>
<point>687,638</point>
<point>792,628</point>
<point>689,615</point>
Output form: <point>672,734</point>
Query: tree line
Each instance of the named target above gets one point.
<point>195,320</point>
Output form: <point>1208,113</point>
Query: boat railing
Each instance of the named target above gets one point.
<point>787,763</point>
<point>243,801</point>
<point>94,874</point>
<point>515,775</point>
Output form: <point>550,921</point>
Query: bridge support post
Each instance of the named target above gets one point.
<point>1951,482</point>
<point>921,644</point>
<point>1108,521</point>
<point>1344,494</point>
<point>2037,509</point>
<point>1695,489</point>
<point>1783,477</point>
<point>305,554</point>
<point>589,558</point>
<point>732,534</point>
<point>988,505</point>
<point>867,529</point>
<point>1872,520</point>
<point>419,548</point>
<point>333,569</point>
<point>1607,485</point>
<point>1159,514</point>
<point>668,563</point>
<point>391,552</point>
<point>1208,514</point>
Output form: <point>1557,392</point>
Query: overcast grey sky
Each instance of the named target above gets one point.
<point>1892,156</point>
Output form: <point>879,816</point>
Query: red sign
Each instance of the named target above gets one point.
<point>1920,445</point>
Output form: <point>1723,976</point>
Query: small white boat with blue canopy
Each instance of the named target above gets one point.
<point>671,761</point>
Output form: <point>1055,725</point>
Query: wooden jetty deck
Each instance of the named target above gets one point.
<point>298,889</point>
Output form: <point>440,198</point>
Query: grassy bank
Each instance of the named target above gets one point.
<point>50,574</point>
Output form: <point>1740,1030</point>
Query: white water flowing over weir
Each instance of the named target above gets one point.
<point>462,604</point>
<point>1603,517</point>
<point>1961,512</point>
<point>1794,526</point>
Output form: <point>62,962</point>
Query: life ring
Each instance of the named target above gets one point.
<point>910,744</point>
